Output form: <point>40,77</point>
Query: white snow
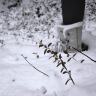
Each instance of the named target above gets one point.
<point>18,78</point>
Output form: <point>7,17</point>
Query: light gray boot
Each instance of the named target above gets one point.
<point>70,36</point>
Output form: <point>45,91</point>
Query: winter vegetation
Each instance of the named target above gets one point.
<point>29,63</point>
<point>90,15</point>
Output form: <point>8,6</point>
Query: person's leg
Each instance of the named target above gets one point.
<point>72,11</point>
<point>71,31</point>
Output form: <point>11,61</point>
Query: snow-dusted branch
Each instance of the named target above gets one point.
<point>58,58</point>
<point>34,66</point>
<point>84,54</point>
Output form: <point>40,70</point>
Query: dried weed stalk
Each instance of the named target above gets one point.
<point>58,58</point>
<point>34,66</point>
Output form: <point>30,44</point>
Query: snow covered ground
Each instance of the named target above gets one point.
<point>18,78</point>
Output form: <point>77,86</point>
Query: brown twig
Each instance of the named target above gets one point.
<point>84,54</point>
<point>69,73</point>
<point>57,58</point>
<point>71,77</point>
<point>35,67</point>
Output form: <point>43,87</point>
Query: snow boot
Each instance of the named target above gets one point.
<point>70,36</point>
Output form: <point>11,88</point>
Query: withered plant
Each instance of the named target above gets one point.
<point>59,60</point>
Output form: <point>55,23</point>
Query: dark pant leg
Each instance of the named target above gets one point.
<point>72,11</point>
